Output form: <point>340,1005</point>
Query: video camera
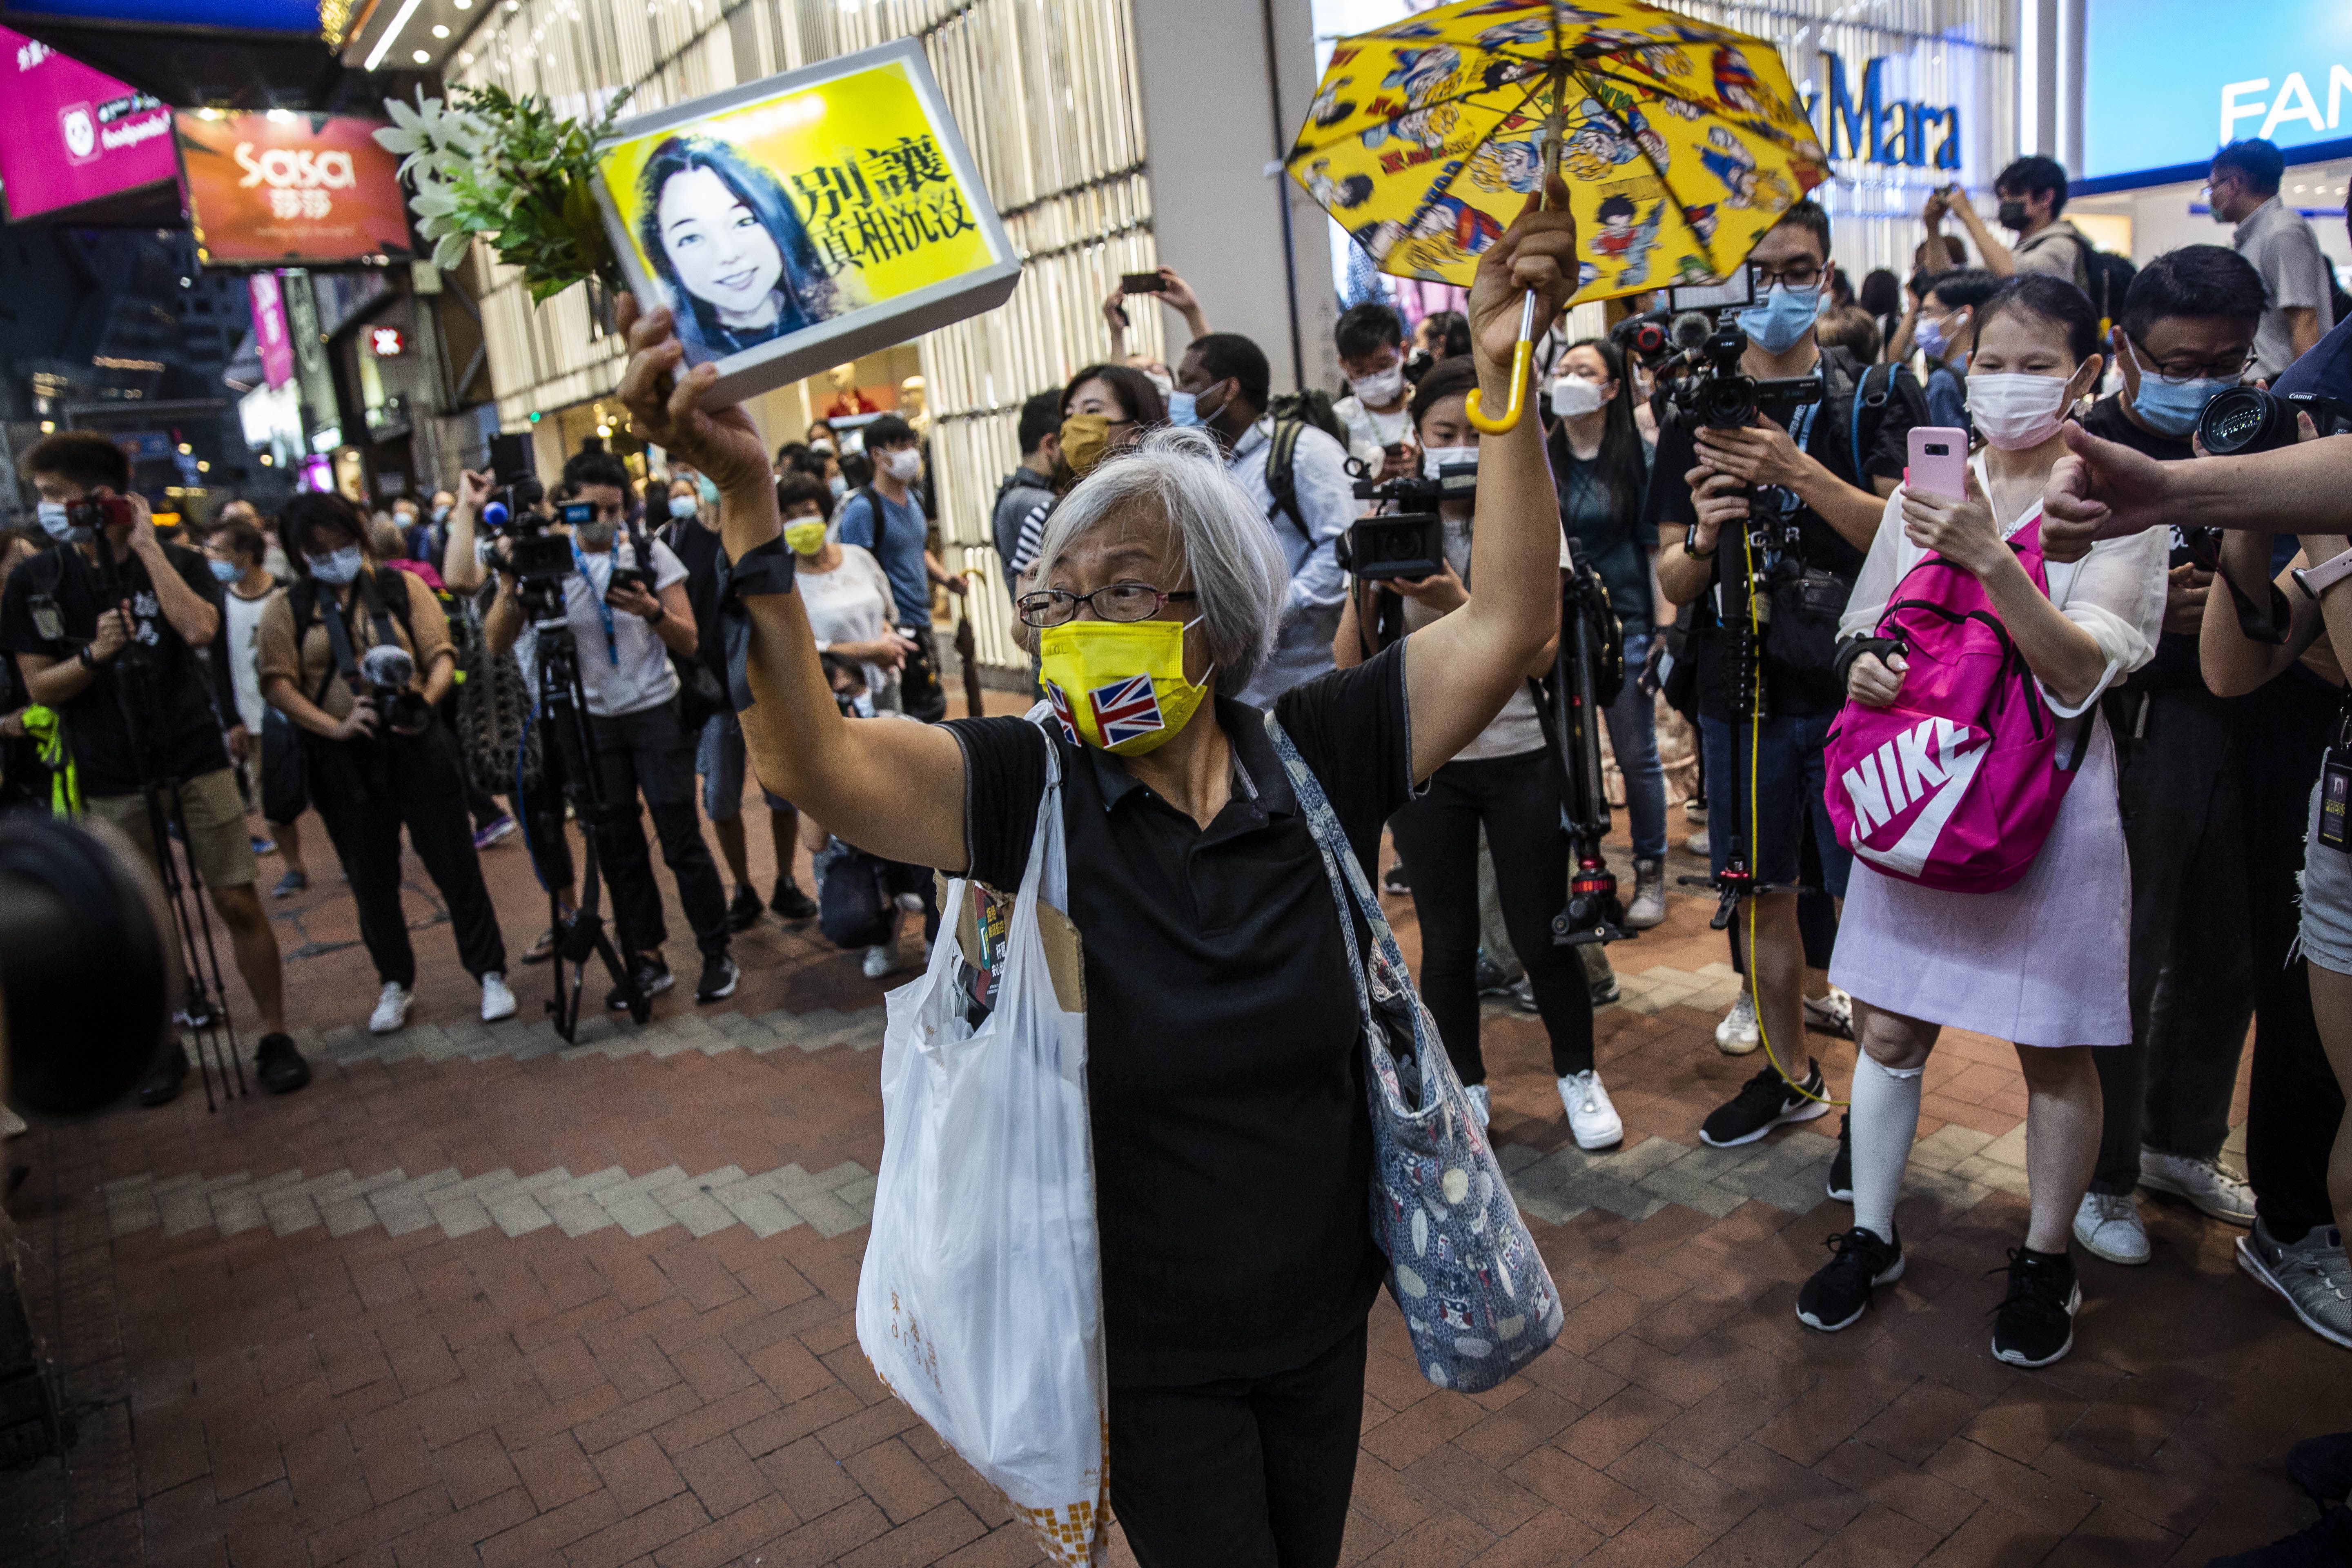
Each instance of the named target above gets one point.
<point>386,673</point>
<point>1410,542</point>
<point>1714,393</point>
<point>92,513</point>
<point>2248,419</point>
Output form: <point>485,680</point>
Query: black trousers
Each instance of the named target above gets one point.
<point>2294,1103</point>
<point>365,791</point>
<point>1517,800</point>
<point>648,752</point>
<point>2192,983</point>
<point>1246,1473</point>
<point>540,810</point>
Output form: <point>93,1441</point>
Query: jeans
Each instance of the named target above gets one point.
<point>649,752</point>
<point>2193,986</point>
<point>1633,723</point>
<point>1243,1473</point>
<point>1789,776</point>
<point>1518,801</point>
<point>364,791</point>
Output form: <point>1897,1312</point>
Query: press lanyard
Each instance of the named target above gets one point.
<point>611,641</point>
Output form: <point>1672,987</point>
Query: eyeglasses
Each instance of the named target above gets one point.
<point>2180,374</point>
<point>1113,601</point>
<point>1796,275</point>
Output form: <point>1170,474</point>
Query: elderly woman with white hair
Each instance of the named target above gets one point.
<point>1225,1065</point>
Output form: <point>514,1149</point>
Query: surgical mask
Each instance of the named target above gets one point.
<point>1184,410</point>
<point>54,522</point>
<point>804,536</point>
<point>441,513</point>
<point>596,535</point>
<point>820,445</point>
<point>226,571</point>
<point>1118,686</point>
<point>1932,337</point>
<point>1435,458</point>
<point>1380,388</point>
<point>1086,442</point>
<point>906,465</point>
<point>1167,387</point>
<point>2014,412</point>
<point>2172,406</point>
<point>2012,216</point>
<point>1781,318</point>
<point>337,569</point>
<point>684,506</point>
<point>709,488</point>
<point>838,486</point>
<point>1573,397</point>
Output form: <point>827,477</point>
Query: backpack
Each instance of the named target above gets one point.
<point>1955,784</point>
<point>2111,278</point>
<point>1294,412</point>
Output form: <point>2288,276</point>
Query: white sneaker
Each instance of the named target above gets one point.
<point>1697,844</point>
<point>876,962</point>
<point>1591,1117</point>
<point>1736,1035</point>
<point>498,1001</point>
<point>1831,1014</point>
<point>1481,1106</point>
<point>391,1008</point>
<point>2108,1226</point>
<point>2212,1187</point>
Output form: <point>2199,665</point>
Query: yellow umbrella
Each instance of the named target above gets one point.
<point>1680,142</point>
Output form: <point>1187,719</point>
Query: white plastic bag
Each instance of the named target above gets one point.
<point>979,1303</point>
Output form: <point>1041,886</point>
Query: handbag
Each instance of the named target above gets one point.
<point>1474,1292</point>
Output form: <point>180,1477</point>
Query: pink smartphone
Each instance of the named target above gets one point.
<point>1939,461</point>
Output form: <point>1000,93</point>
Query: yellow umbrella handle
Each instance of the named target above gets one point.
<point>1522,354</point>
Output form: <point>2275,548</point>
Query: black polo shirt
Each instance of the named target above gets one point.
<point>1224,1054</point>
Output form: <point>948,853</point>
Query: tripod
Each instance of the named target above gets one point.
<point>207,1013</point>
<point>563,706</point>
<point>1593,913</point>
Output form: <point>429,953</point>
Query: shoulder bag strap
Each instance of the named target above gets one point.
<point>1346,878</point>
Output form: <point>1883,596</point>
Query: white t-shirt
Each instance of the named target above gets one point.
<point>244,622</point>
<point>1370,431</point>
<point>631,673</point>
<point>851,604</point>
<point>1516,728</point>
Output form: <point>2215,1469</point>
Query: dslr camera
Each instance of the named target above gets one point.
<point>385,673</point>
<point>1409,541</point>
<point>2248,419</point>
<point>94,512</point>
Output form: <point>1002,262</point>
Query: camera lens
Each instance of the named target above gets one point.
<point>2245,419</point>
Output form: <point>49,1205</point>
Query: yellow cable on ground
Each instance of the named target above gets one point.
<point>1754,816</point>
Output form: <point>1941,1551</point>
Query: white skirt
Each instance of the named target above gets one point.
<point>2044,961</point>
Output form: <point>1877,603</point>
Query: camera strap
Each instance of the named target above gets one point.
<point>2267,624</point>
<point>339,636</point>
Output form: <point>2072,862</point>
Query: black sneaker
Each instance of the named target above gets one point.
<point>2326,1543</point>
<point>745,911</point>
<point>791,903</point>
<point>1839,1291</point>
<point>1490,979</point>
<point>1841,1168</point>
<point>718,977</point>
<point>1766,1102</point>
<point>1604,988</point>
<point>278,1066</point>
<point>2323,1466</point>
<point>162,1086</point>
<point>652,974</point>
<point>1394,883</point>
<point>2035,1324</point>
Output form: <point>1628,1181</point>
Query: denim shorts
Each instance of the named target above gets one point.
<point>2327,899</point>
<point>1789,778</point>
<point>718,757</point>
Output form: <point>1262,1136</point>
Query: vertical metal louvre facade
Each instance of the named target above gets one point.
<point>1045,94</point>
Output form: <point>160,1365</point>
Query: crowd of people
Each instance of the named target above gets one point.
<point>1182,531</point>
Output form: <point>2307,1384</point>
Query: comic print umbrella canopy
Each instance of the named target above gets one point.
<point>1681,142</point>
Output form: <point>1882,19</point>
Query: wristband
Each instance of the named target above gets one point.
<point>84,658</point>
<point>2316,580</point>
<point>763,571</point>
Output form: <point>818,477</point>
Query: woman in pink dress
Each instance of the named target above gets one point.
<point>2042,962</point>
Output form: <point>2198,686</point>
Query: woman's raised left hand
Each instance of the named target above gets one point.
<point>1962,532</point>
<point>664,401</point>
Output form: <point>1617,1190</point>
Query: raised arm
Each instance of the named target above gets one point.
<point>896,790</point>
<point>1460,671</point>
<point>459,568</point>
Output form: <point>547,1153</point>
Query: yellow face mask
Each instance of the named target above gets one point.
<point>804,536</point>
<point>1118,685</point>
<point>1086,442</point>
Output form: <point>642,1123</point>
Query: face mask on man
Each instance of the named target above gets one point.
<point>905,465</point>
<point>2012,216</point>
<point>2016,412</point>
<point>1381,389</point>
<point>1167,387</point>
<point>337,567</point>
<point>1573,397</point>
<point>2172,406</point>
<point>684,506</point>
<point>441,512</point>
<point>838,486</point>
<point>1184,409</point>
<point>1777,322</point>
<point>1082,660</point>
<point>54,520</point>
<point>226,571</point>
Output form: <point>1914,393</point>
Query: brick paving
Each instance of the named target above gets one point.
<point>474,1298</point>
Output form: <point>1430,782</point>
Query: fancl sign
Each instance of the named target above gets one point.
<point>2165,82</point>
<point>1872,129</point>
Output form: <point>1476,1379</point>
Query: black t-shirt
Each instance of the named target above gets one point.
<point>1225,1059</point>
<point>2174,663</point>
<point>703,553</point>
<point>176,718</point>
<point>1829,439</point>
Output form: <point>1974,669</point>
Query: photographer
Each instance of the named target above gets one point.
<point>1816,474</point>
<point>1508,781</point>
<point>378,757</point>
<point>626,632</point>
<point>136,718</point>
<point>237,550</point>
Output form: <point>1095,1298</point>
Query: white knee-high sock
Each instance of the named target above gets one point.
<point>1885,1118</point>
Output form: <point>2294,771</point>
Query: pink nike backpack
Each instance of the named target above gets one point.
<point>1955,783</point>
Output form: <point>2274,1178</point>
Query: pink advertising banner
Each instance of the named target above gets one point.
<point>70,134</point>
<point>269,333</point>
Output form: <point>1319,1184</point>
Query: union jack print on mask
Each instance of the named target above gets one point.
<point>1060,703</point>
<point>1126,709</point>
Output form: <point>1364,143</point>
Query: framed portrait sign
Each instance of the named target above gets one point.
<point>797,222</point>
